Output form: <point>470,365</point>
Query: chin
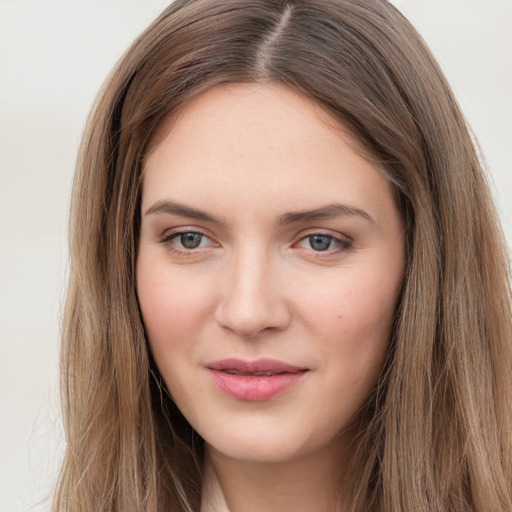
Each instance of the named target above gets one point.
<point>268,445</point>
<point>272,452</point>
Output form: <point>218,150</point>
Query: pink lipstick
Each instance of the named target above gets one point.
<point>254,380</point>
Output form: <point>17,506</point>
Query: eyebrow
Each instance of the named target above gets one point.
<point>326,212</point>
<point>330,211</point>
<point>173,208</point>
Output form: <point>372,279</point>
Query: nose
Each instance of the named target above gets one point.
<point>252,296</point>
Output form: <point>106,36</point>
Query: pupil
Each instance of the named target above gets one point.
<point>190,240</point>
<point>319,242</point>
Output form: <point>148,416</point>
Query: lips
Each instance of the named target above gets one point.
<point>254,380</point>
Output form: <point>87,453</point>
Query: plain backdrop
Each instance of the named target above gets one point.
<point>54,55</point>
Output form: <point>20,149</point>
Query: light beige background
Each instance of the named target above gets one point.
<point>54,55</point>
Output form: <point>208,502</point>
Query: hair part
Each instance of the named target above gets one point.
<point>265,51</point>
<point>436,434</point>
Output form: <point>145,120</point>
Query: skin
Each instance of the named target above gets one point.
<point>257,285</point>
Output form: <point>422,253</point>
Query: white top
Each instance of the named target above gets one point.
<point>212,497</point>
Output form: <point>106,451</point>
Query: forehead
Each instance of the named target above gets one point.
<point>253,106</point>
<point>244,141</point>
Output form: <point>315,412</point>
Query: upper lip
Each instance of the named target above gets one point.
<point>257,366</point>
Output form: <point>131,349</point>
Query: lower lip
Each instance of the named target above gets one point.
<point>255,389</point>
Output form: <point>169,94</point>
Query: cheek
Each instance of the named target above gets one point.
<point>174,308</point>
<point>353,319</point>
<point>358,303</point>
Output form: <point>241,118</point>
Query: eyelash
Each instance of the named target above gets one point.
<point>167,240</point>
<point>341,244</point>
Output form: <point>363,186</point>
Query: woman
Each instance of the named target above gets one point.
<point>288,285</point>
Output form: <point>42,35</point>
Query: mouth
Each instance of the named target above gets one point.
<point>253,374</point>
<point>254,380</point>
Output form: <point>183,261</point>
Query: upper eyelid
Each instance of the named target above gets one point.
<point>168,238</point>
<point>170,232</point>
<point>324,232</point>
<point>340,239</point>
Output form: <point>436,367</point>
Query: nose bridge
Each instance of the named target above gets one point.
<point>251,296</point>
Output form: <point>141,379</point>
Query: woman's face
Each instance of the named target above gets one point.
<point>270,261</point>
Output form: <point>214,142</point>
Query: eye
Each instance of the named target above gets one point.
<point>320,242</point>
<point>190,240</point>
<point>184,241</point>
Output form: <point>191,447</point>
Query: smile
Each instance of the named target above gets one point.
<point>254,380</point>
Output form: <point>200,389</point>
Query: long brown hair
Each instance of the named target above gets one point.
<point>436,435</point>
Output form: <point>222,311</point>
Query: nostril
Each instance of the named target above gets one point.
<point>250,319</point>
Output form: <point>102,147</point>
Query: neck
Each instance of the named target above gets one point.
<point>306,484</point>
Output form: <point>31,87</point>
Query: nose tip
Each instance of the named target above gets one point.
<point>253,302</point>
<point>248,320</point>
